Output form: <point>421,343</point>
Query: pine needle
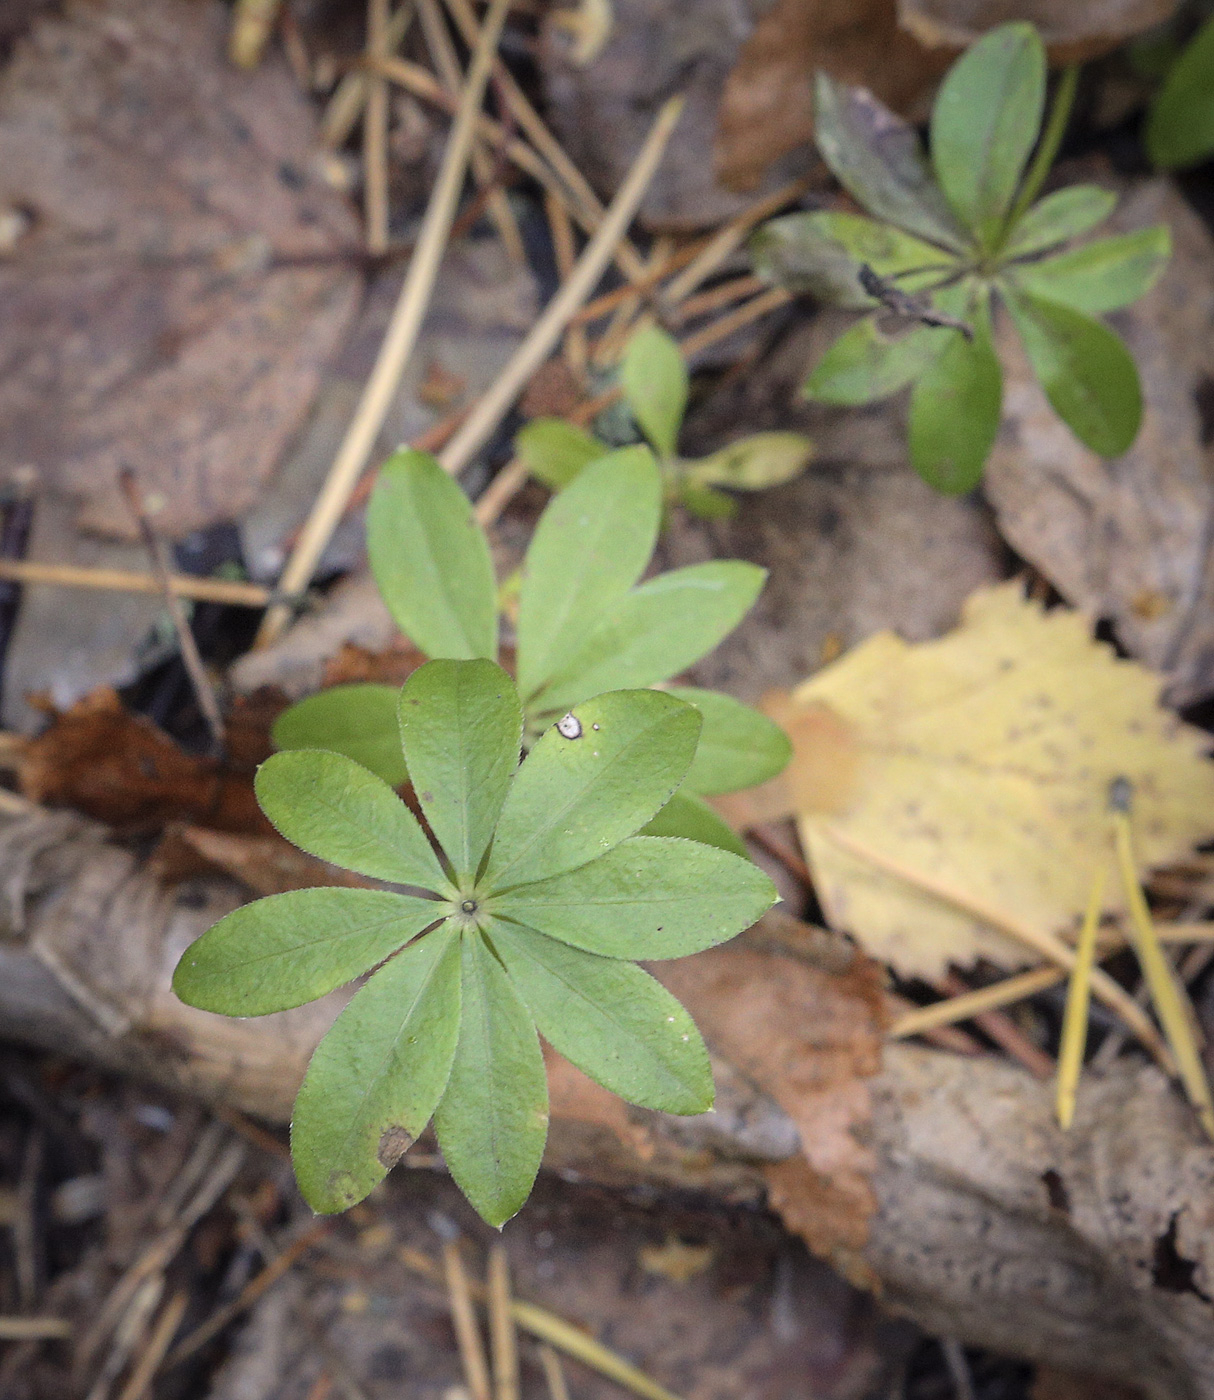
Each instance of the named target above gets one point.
<point>1078,1000</point>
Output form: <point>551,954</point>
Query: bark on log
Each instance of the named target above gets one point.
<point>963,1205</point>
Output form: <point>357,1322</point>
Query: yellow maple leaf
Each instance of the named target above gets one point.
<point>980,764</point>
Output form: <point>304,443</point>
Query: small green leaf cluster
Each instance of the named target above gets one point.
<point>584,624</point>
<point>655,383</point>
<point>947,240</point>
<point>540,897</point>
<point>1180,126</point>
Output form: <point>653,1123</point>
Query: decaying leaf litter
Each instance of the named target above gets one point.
<point>192,792</point>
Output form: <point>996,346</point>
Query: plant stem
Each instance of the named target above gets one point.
<point>1047,147</point>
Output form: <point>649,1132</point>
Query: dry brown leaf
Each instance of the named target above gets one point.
<point>119,768</point>
<point>359,665</point>
<point>1075,30</point>
<point>985,760</point>
<point>181,286</point>
<point>767,106</point>
<point>810,1036</point>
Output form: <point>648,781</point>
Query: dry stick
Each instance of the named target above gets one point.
<point>1073,1041</point>
<point>130,1331</point>
<point>144,1370</point>
<point>623,325</point>
<point>554,1373</point>
<point>34,1329</point>
<point>463,1316</point>
<point>565,250</point>
<point>511,478</point>
<point>202,590</point>
<point>350,96</point>
<point>971,1004</point>
<point>375,134</point>
<point>156,1257</point>
<point>204,691</point>
<point>603,305</point>
<point>442,52</point>
<point>542,139</point>
<point>502,1338</point>
<point>1047,945</point>
<point>725,295</point>
<point>279,1265</point>
<point>547,1327</point>
<point>947,1037</point>
<point>495,403</point>
<point>401,336</point>
<point>1006,1034</point>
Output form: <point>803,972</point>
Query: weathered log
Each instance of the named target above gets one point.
<point>942,1181</point>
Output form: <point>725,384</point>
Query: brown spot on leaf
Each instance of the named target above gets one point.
<point>394,1142</point>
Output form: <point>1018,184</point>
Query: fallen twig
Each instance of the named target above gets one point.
<point>401,336</point>
<point>502,1338</point>
<point>204,691</point>
<point>202,590</point>
<point>543,336</point>
<point>375,134</point>
<point>463,1317</point>
<point>144,1370</point>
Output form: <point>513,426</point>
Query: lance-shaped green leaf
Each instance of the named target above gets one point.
<point>822,253</point>
<point>554,451</point>
<point>984,123</point>
<point>867,363</point>
<point>705,502</point>
<point>1100,276</point>
<point>1087,373</point>
<point>288,949</point>
<point>1180,128</point>
<point>590,781</point>
<point>377,1076</point>
<point>462,730</point>
<point>430,559</point>
<point>333,808</point>
<point>690,818</point>
<point>591,545</point>
<point>356,720</point>
<point>877,156</point>
<point>738,746</point>
<point>492,1121</point>
<point>753,463</point>
<point>650,897</point>
<point>1064,214</point>
<point>610,1019</point>
<point>655,383</point>
<point>656,631</point>
<point>954,408</point>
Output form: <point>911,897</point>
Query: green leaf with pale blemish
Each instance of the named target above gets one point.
<point>650,897</point>
<point>356,720</point>
<point>868,362</point>
<point>333,808</point>
<point>377,1076</point>
<point>288,949</point>
<point>492,1121</point>
<point>591,782</point>
<point>610,1019</point>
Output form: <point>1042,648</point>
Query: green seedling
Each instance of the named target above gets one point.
<point>655,383</point>
<point>539,897</point>
<point>948,241</point>
<point>584,623</point>
<point>1180,127</point>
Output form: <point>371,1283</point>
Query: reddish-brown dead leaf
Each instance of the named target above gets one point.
<point>767,107</point>
<point>119,768</point>
<point>810,1036</point>
<point>358,665</point>
<point>1074,32</point>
